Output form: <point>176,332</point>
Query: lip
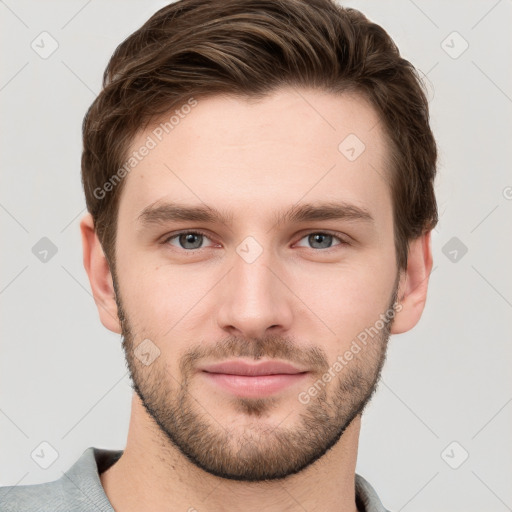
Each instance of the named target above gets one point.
<point>239,367</point>
<point>253,380</point>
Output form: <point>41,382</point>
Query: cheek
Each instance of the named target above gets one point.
<point>346,300</point>
<point>160,299</point>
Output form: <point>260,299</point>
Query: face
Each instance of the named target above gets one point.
<point>255,232</point>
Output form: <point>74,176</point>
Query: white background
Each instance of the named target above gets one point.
<point>62,375</point>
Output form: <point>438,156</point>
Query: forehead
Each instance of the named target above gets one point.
<point>258,155</point>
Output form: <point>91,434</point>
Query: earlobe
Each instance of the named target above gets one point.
<point>412,292</point>
<point>100,277</point>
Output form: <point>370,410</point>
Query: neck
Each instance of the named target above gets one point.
<point>152,474</point>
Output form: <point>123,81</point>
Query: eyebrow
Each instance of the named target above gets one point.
<point>169,212</point>
<point>324,211</point>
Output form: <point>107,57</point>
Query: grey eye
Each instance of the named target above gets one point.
<point>191,240</point>
<point>320,240</point>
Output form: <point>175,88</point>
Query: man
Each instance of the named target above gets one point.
<point>259,181</point>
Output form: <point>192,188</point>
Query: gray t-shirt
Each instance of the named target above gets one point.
<point>80,490</point>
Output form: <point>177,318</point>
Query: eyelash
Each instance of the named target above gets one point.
<point>338,236</point>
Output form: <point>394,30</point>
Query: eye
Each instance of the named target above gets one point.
<point>321,240</point>
<point>194,240</point>
<point>189,240</point>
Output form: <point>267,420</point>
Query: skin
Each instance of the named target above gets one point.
<point>298,302</point>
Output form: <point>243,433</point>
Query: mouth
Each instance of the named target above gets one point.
<point>240,367</point>
<point>253,380</point>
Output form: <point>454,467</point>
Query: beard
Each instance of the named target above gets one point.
<point>255,451</point>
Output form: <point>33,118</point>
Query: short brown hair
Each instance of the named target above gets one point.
<point>201,48</point>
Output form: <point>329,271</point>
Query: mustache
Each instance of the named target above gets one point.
<point>268,347</point>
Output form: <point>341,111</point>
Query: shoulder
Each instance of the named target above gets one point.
<point>77,490</point>
<point>367,499</point>
<point>31,498</point>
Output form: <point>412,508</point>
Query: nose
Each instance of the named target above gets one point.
<point>254,300</point>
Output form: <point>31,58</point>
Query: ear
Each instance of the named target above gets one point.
<point>412,290</point>
<point>98,270</point>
